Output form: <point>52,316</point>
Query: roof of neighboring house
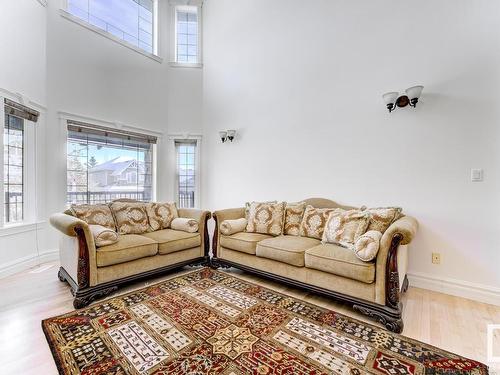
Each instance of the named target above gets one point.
<point>117,165</point>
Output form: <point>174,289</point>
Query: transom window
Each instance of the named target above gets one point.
<point>187,34</point>
<point>104,165</point>
<point>129,20</point>
<point>186,172</point>
<point>13,159</point>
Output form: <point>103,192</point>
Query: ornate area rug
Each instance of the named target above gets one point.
<point>209,322</point>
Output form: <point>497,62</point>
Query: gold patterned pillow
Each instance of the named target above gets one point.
<point>161,215</point>
<point>293,218</point>
<point>382,217</point>
<point>266,218</point>
<point>344,227</point>
<point>131,218</point>
<point>94,214</point>
<point>313,222</point>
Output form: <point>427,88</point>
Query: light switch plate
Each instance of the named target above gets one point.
<point>476,175</point>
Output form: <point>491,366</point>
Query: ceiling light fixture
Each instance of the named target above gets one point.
<point>394,99</point>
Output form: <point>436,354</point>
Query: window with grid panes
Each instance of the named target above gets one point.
<point>187,35</point>
<point>13,159</point>
<point>103,167</point>
<point>186,173</point>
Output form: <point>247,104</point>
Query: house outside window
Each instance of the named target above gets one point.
<point>130,21</point>
<point>13,166</point>
<point>105,164</point>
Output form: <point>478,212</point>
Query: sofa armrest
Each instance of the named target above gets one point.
<point>401,232</point>
<point>219,217</point>
<point>86,258</point>
<point>202,217</point>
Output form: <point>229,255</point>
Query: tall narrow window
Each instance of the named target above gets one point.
<point>106,164</point>
<point>186,31</point>
<point>128,20</point>
<point>186,172</point>
<point>13,159</point>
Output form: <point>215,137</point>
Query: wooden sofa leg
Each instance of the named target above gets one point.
<point>391,321</point>
<point>85,297</point>
<point>215,263</point>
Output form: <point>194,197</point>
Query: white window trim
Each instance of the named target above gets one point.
<point>65,116</point>
<point>30,210</point>
<point>172,138</point>
<point>154,56</point>
<point>174,6</point>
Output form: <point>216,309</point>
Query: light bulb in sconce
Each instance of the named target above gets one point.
<point>414,94</point>
<point>223,136</point>
<point>231,134</point>
<point>390,100</point>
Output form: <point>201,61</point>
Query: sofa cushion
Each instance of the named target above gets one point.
<point>129,247</point>
<point>293,218</point>
<point>103,236</point>
<point>382,217</point>
<point>344,227</point>
<point>286,249</point>
<point>161,214</point>
<point>243,241</point>
<point>339,261</point>
<point>228,227</point>
<point>94,214</point>
<point>131,217</point>
<point>313,221</point>
<point>170,240</point>
<point>266,218</point>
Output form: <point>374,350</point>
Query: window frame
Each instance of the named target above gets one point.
<point>154,56</point>
<point>172,139</point>
<point>64,117</point>
<point>175,6</point>
<point>29,172</point>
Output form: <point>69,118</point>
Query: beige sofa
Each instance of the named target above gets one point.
<point>93,271</point>
<point>373,288</point>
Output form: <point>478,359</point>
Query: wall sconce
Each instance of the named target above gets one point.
<point>227,135</point>
<point>393,99</point>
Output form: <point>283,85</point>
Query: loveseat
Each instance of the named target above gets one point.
<point>139,250</point>
<point>298,259</point>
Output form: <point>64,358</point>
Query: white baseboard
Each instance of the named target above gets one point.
<point>454,287</point>
<point>25,263</point>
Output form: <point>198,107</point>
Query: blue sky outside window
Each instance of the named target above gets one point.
<point>129,20</point>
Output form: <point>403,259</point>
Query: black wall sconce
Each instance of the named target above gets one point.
<point>394,99</point>
<point>227,135</point>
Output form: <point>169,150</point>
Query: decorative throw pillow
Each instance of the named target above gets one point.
<point>103,236</point>
<point>248,204</point>
<point>367,245</point>
<point>382,217</point>
<point>293,218</point>
<point>344,227</point>
<point>161,214</point>
<point>313,222</point>
<point>184,224</point>
<point>228,227</point>
<point>131,218</point>
<point>266,218</point>
<point>94,214</point>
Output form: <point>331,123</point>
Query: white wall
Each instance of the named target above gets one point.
<point>302,81</point>
<point>93,76</point>
<point>23,26</point>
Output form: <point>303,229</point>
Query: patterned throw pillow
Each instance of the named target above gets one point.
<point>313,221</point>
<point>382,217</point>
<point>367,245</point>
<point>185,224</point>
<point>344,227</point>
<point>94,214</point>
<point>266,218</point>
<point>293,218</point>
<point>131,218</point>
<point>161,215</point>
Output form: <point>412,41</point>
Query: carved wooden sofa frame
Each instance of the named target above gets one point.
<point>389,314</point>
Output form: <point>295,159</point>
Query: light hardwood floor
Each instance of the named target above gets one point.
<point>451,323</point>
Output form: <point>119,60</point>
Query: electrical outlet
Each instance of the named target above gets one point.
<point>436,258</point>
